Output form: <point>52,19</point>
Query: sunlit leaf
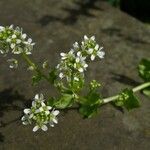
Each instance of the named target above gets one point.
<point>127,100</point>
<point>65,101</point>
<point>144,69</point>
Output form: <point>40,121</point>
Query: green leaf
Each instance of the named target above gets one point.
<point>146,92</point>
<point>91,99</point>
<point>52,76</point>
<point>36,79</point>
<point>65,101</point>
<point>144,69</point>
<point>51,101</point>
<point>88,111</point>
<point>127,100</point>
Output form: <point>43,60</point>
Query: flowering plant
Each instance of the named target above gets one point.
<point>68,77</point>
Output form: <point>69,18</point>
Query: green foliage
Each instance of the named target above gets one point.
<point>88,111</point>
<point>147,92</point>
<point>52,76</point>
<point>144,69</point>
<point>127,100</point>
<point>115,3</point>
<point>89,104</point>
<point>36,79</point>
<point>66,100</point>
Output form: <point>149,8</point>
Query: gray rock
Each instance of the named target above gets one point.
<point>55,25</point>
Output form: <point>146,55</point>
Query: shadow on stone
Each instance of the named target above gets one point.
<point>82,9</point>
<point>124,79</point>
<point>8,100</point>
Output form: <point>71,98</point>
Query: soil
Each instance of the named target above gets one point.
<point>55,25</point>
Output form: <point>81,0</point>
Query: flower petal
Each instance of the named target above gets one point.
<point>44,128</point>
<point>36,128</point>
<point>27,111</point>
<point>55,112</point>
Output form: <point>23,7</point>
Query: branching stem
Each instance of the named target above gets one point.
<point>136,89</point>
<point>35,68</point>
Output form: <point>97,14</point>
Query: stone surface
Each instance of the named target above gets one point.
<point>55,25</point>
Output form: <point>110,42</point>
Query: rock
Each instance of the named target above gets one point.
<point>55,25</point>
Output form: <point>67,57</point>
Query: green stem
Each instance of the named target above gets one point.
<point>30,63</point>
<point>136,89</point>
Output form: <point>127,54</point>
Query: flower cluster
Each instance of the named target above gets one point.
<point>14,41</point>
<point>74,63</point>
<point>40,114</point>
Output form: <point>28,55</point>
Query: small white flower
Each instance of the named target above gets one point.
<point>18,41</point>
<point>90,50</point>
<point>92,38</point>
<point>13,63</point>
<point>14,36</point>
<point>8,40</point>
<point>12,45</point>
<point>24,36</point>
<point>1,28</point>
<point>101,54</point>
<point>76,79</point>
<point>80,69</point>
<point>27,111</point>
<point>11,26</point>
<point>92,57</point>
<point>86,38</point>
<point>36,128</point>
<point>61,75</point>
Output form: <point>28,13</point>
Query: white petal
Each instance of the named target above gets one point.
<point>75,78</point>
<point>43,104</point>
<point>62,54</point>
<point>49,107</point>
<point>41,109</point>
<point>11,26</point>
<point>18,41</point>
<point>90,50</point>
<point>25,122</point>
<point>33,103</point>
<point>41,97</point>
<point>14,36</point>
<point>1,28</point>
<point>61,75</point>
<point>55,112</point>
<point>96,47</point>
<point>77,59</point>
<point>29,40</point>
<point>44,128</point>
<point>24,36</point>
<point>51,124</point>
<point>92,57</point>
<point>36,97</point>
<point>101,54</point>
<point>27,111</point>
<point>47,112</point>
<point>12,45</point>
<point>85,37</point>
<point>86,65</point>
<point>79,53</point>
<point>92,38</point>
<point>80,69</point>
<point>55,120</point>
<point>35,128</point>
<point>31,116</point>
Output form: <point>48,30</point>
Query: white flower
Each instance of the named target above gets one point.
<point>13,63</point>
<point>86,38</point>
<point>43,127</point>
<point>24,36</point>
<point>14,36</point>
<point>61,75</point>
<point>101,54</point>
